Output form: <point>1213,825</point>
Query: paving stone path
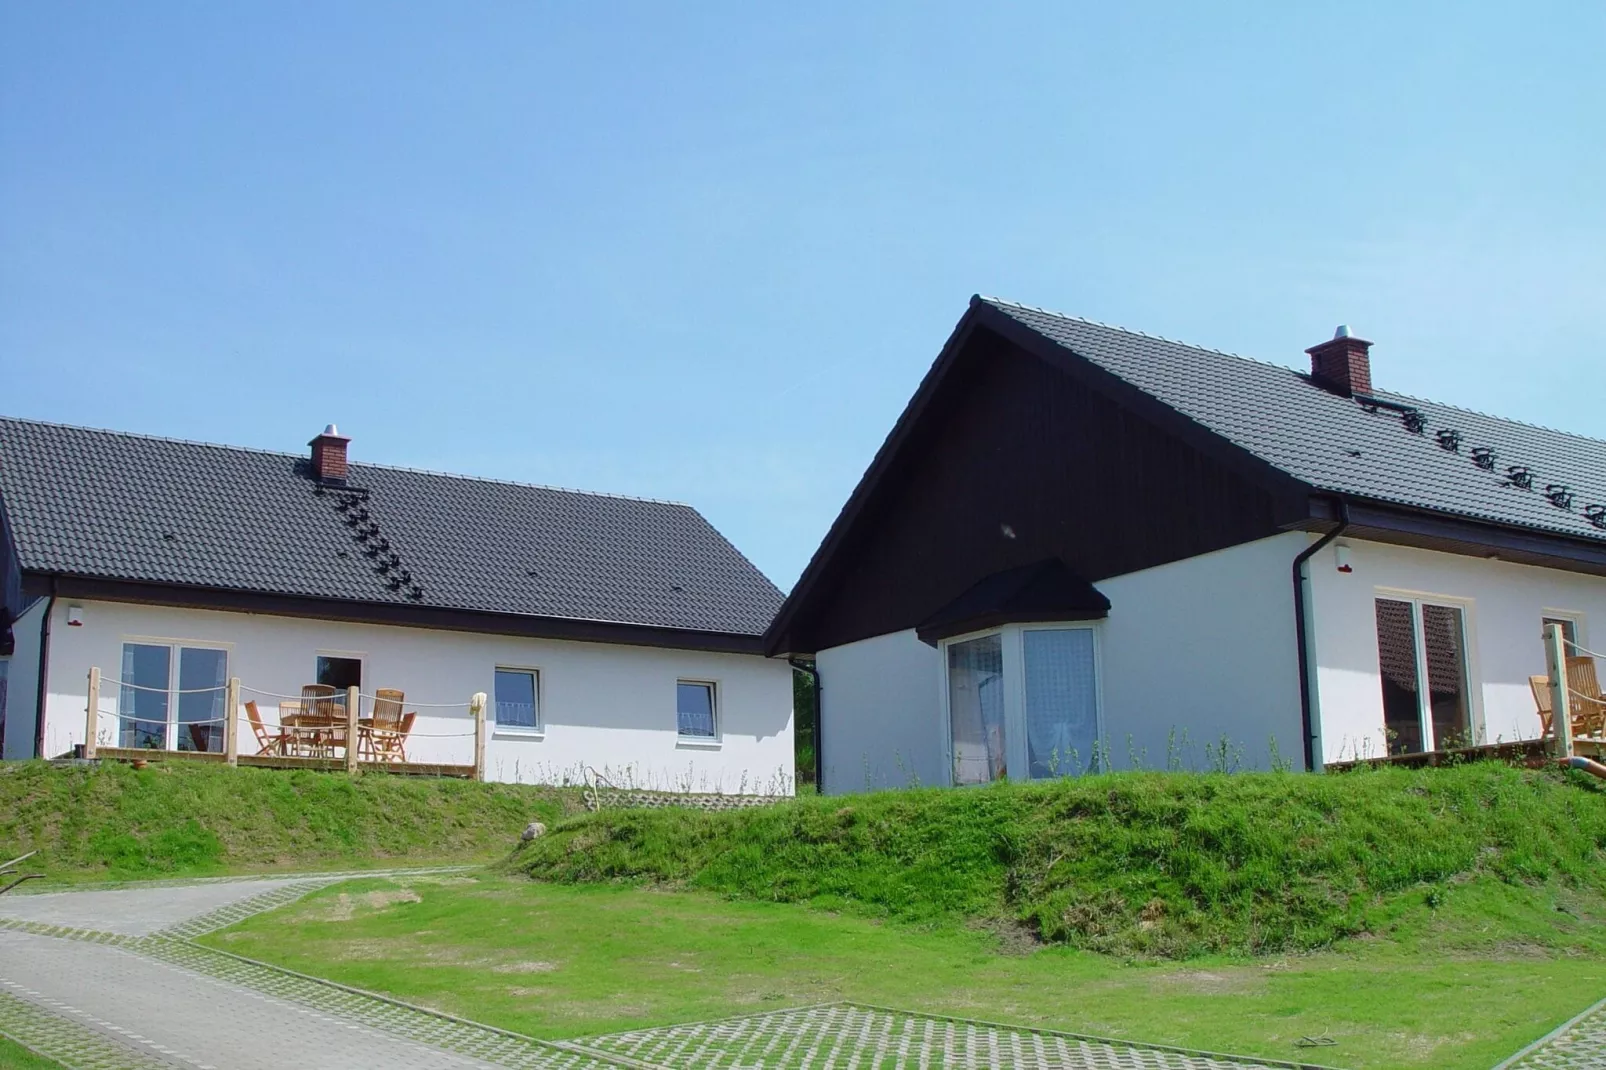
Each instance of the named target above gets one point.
<point>1578,1045</point>
<point>111,979</point>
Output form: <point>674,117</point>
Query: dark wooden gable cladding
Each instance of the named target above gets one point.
<point>1015,460</point>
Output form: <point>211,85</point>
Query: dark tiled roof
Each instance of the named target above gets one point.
<point>1336,444</point>
<point>128,507</point>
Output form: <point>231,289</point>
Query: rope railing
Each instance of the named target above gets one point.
<point>363,741</point>
<point>168,690</point>
<point>1581,650</point>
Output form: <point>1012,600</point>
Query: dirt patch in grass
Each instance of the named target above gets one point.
<point>345,906</point>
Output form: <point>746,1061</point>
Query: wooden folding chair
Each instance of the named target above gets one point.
<point>269,740</point>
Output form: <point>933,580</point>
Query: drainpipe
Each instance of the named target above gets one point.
<point>819,706</point>
<point>43,677</point>
<point>1306,713</point>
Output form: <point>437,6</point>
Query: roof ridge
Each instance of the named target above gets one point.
<point>1386,394</point>
<point>1140,334</point>
<point>258,450</point>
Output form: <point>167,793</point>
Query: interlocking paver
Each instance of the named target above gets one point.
<point>163,1012</point>
<point>68,1042</point>
<point>846,1036</point>
<point>136,911</point>
<point>1578,1045</point>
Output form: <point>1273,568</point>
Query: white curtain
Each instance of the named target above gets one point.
<point>1061,701</point>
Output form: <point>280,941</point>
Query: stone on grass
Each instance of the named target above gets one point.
<point>531,831</point>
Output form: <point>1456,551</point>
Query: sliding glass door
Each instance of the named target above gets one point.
<point>1422,659</point>
<point>173,697</point>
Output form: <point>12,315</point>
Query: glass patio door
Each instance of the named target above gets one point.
<point>976,709</point>
<point>1422,658</point>
<point>172,697</point>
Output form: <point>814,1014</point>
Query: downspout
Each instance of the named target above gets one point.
<point>1306,713</point>
<point>43,677</point>
<point>819,707</point>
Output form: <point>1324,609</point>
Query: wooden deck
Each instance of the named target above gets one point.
<point>1526,752</point>
<point>276,761</point>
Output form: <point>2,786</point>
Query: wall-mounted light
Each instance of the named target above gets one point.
<point>75,616</point>
<point>1341,554</point>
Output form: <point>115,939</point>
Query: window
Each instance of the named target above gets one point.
<point>1569,631</point>
<point>1061,701</point>
<point>517,699</point>
<point>1422,660</point>
<point>339,672</point>
<point>976,709</point>
<point>694,710</point>
<point>1024,698</point>
<point>172,697</point>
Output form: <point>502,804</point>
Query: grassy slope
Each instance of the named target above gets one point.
<point>182,819</point>
<point>1460,985</point>
<point>1148,864</point>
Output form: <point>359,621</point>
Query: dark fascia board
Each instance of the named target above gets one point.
<point>405,616</point>
<point>982,314</point>
<point>1401,525</point>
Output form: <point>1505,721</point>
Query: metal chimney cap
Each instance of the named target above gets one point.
<point>1341,331</point>
<point>334,432</point>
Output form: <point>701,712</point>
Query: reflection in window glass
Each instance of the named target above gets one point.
<point>515,699</point>
<point>1443,635</point>
<point>694,709</point>
<point>143,699</point>
<point>202,677</point>
<point>976,709</point>
<point>339,673</point>
<point>1061,701</point>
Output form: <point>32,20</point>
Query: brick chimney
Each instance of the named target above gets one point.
<point>329,455</point>
<point>1342,365</point>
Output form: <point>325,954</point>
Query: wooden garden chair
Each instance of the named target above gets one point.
<point>1587,713</point>
<point>269,740</point>
<point>383,737</point>
<point>1589,706</point>
<point>315,729</point>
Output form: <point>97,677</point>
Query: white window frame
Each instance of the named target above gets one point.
<point>1013,647</point>
<point>1469,643</point>
<point>1580,623</point>
<point>715,741</point>
<point>359,656</point>
<point>174,645</point>
<point>519,731</point>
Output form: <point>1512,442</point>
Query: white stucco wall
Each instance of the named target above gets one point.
<point>22,684</point>
<point>604,705</point>
<point>1504,604</point>
<point>1204,645</point>
<point>881,716</point>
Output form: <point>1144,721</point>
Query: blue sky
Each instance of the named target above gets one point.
<point>706,251</point>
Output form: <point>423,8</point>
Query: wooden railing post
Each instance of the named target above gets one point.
<point>476,706</point>
<point>231,726</point>
<point>92,714</point>
<point>1561,707</point>
<point>352,698</point>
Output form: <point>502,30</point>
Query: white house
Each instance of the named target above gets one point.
<point>613,633</point>
<point>1082,545</point>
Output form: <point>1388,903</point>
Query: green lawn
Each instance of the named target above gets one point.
<point>1462,983</point>
<point>17,1057</point>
